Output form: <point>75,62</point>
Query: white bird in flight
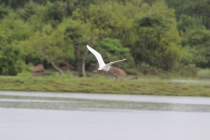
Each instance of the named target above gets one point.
<point>102,65</point>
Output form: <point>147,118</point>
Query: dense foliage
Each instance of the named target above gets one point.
<point>165,35</point>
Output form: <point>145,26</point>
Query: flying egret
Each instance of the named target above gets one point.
<point>102,65</point>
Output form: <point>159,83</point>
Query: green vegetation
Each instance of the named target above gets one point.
<point>141,86</point>
<point>154,35</point>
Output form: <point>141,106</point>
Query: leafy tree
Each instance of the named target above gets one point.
<point>186,23</point>
<point>110,19</point>
<point>198,41</point>
<point>4,11</point>
<point>79,34</point>
<point>157,41</point>
<point>13,28</point>
<point>11,60</point>
<point>14,3</point>
<point>195,37</point>
<point>103,22</point>
<point>192,8</point>
<point>144,31</point>
<point>30,9</point>
<point>52,45</point>
<point>150,31</point>
<point>54,12</point>
<point>12,31</point>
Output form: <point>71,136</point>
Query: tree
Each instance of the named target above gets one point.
<point>110,19</point>
<point>79,34</point>
<point>4,11</point>
<point>157,39</point>
<point>192,8</point>
<point>186,23</point>
<point>14,3</point>
<point>197,40</point>
<point>52,45</point>
<point>13,31</point>
<point>11,60</point>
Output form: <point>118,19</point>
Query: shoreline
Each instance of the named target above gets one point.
<point>101,85</point>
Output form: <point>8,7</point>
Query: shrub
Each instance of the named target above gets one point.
<point>188,70</point>
<point>24,74</point>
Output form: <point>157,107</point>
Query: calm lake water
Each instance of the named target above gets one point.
<point>68,116</point>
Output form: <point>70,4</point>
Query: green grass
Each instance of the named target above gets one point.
<point>144,86</point>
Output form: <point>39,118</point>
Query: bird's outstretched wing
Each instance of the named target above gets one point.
<point>109,64</point>
<point>98,56</point>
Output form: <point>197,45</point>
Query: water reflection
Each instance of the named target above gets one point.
<point>63,103</point>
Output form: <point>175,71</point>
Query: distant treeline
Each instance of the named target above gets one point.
<point>154,35</point>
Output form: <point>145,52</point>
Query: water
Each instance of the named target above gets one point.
<point>53,116</point>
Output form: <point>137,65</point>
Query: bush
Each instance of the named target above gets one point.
<point>147,69</point>
<point>188,70</point>
<point>25,74</point>
<point>144,68</point>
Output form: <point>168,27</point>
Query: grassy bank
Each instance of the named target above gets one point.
<point>143,86</point>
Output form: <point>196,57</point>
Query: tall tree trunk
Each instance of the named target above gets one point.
<point>57,68</point>
<point>67,66</point>
<point>80,69</point>
<point>81,59</point>
<point>53,64</point>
